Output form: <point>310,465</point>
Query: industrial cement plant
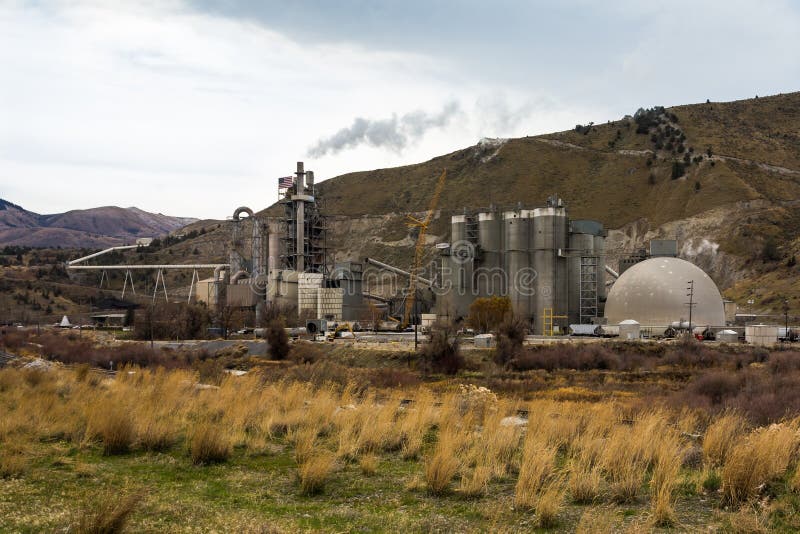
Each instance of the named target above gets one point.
<point>553,269</point>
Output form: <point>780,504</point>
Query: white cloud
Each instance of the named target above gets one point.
<point>160,105</point>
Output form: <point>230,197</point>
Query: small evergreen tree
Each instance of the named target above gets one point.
<point>678,170</point>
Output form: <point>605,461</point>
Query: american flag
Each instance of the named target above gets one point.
<point>285,182</point>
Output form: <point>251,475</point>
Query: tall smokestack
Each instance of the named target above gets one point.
<point>300,219</point>
<point>300,181</point>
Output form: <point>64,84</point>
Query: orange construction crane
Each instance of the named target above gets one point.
<point>419,251</point>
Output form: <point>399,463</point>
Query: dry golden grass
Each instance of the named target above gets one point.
<point>622,465</point>
<point>369,464</point>
<point>209,444</point>
<point>720,438</point>
<point>107,513</point>
<point>110,421</point>
<point>584,481</point>
<point>597,521</point>
<point>668,454</point>
<point>589,452</point>
<point>13,463</point>
<point>476,482</point>
<point>550,503</point>
<point>440,470</point>
<point>761,457</point>
<point>538,464</point>
<point>748,520</point>
<point>304,440</point>
<point>315,471</point>
<point>794,480</point>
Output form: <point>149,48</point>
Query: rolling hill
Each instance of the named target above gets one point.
<point>723,178</point>
<point>96,227</point>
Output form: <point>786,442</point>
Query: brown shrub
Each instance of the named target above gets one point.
<point>717,385</point>
<point>442,353</point>
<point>278,340</point>
<point>510,337</point>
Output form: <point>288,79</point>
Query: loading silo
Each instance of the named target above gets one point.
<point>489,273</point>
<point>549,259</point>
<point>521,277</point>
<point>581,250</point>
<point>586,259</point>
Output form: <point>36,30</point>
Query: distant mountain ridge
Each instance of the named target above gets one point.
<point>95,227</point>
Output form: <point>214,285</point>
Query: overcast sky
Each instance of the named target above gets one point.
<point>193,108</point>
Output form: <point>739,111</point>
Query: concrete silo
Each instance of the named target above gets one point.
<point>517,227</point>
<point>489,275</point>
<point>550,261</point>
<point>459,269</point>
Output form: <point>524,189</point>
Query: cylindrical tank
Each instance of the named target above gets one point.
<point>549,259</point>
<point>274,251</point>
<point>460,293</point>
<point>489,272</point>
<point>521,278</point>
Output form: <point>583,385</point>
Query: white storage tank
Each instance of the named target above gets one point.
<point>629,329</point>
<point>761,334</point>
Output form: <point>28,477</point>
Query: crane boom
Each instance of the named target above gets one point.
<point>419,250</point>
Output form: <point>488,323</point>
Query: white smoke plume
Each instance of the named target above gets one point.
<point>394,133</point>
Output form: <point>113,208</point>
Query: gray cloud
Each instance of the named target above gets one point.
<point>394,133</point>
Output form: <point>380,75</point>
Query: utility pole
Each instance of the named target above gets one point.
<point>786,319</point>
<point>691,303</point>
<point>416,322</point>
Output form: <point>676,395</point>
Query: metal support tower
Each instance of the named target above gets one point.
<point>304,239</point>
<point>471,229</point>
<point>588,289</point>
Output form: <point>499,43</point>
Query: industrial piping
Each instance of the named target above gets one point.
<point>401,272</point>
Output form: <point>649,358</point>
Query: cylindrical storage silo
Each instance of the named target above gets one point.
<point>461,293</point>
<point>274,254</point>
<point>458,228</point>
<point>520,276</point>
<point>488,273</point>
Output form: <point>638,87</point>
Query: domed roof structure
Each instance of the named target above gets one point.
<point>654,293</point>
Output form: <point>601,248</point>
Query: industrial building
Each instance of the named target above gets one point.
<point>550,267</point>
<point>284,261</point>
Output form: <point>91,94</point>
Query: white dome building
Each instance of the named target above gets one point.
<point>654,293</point>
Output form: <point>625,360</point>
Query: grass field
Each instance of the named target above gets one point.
<point>154,450</point>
